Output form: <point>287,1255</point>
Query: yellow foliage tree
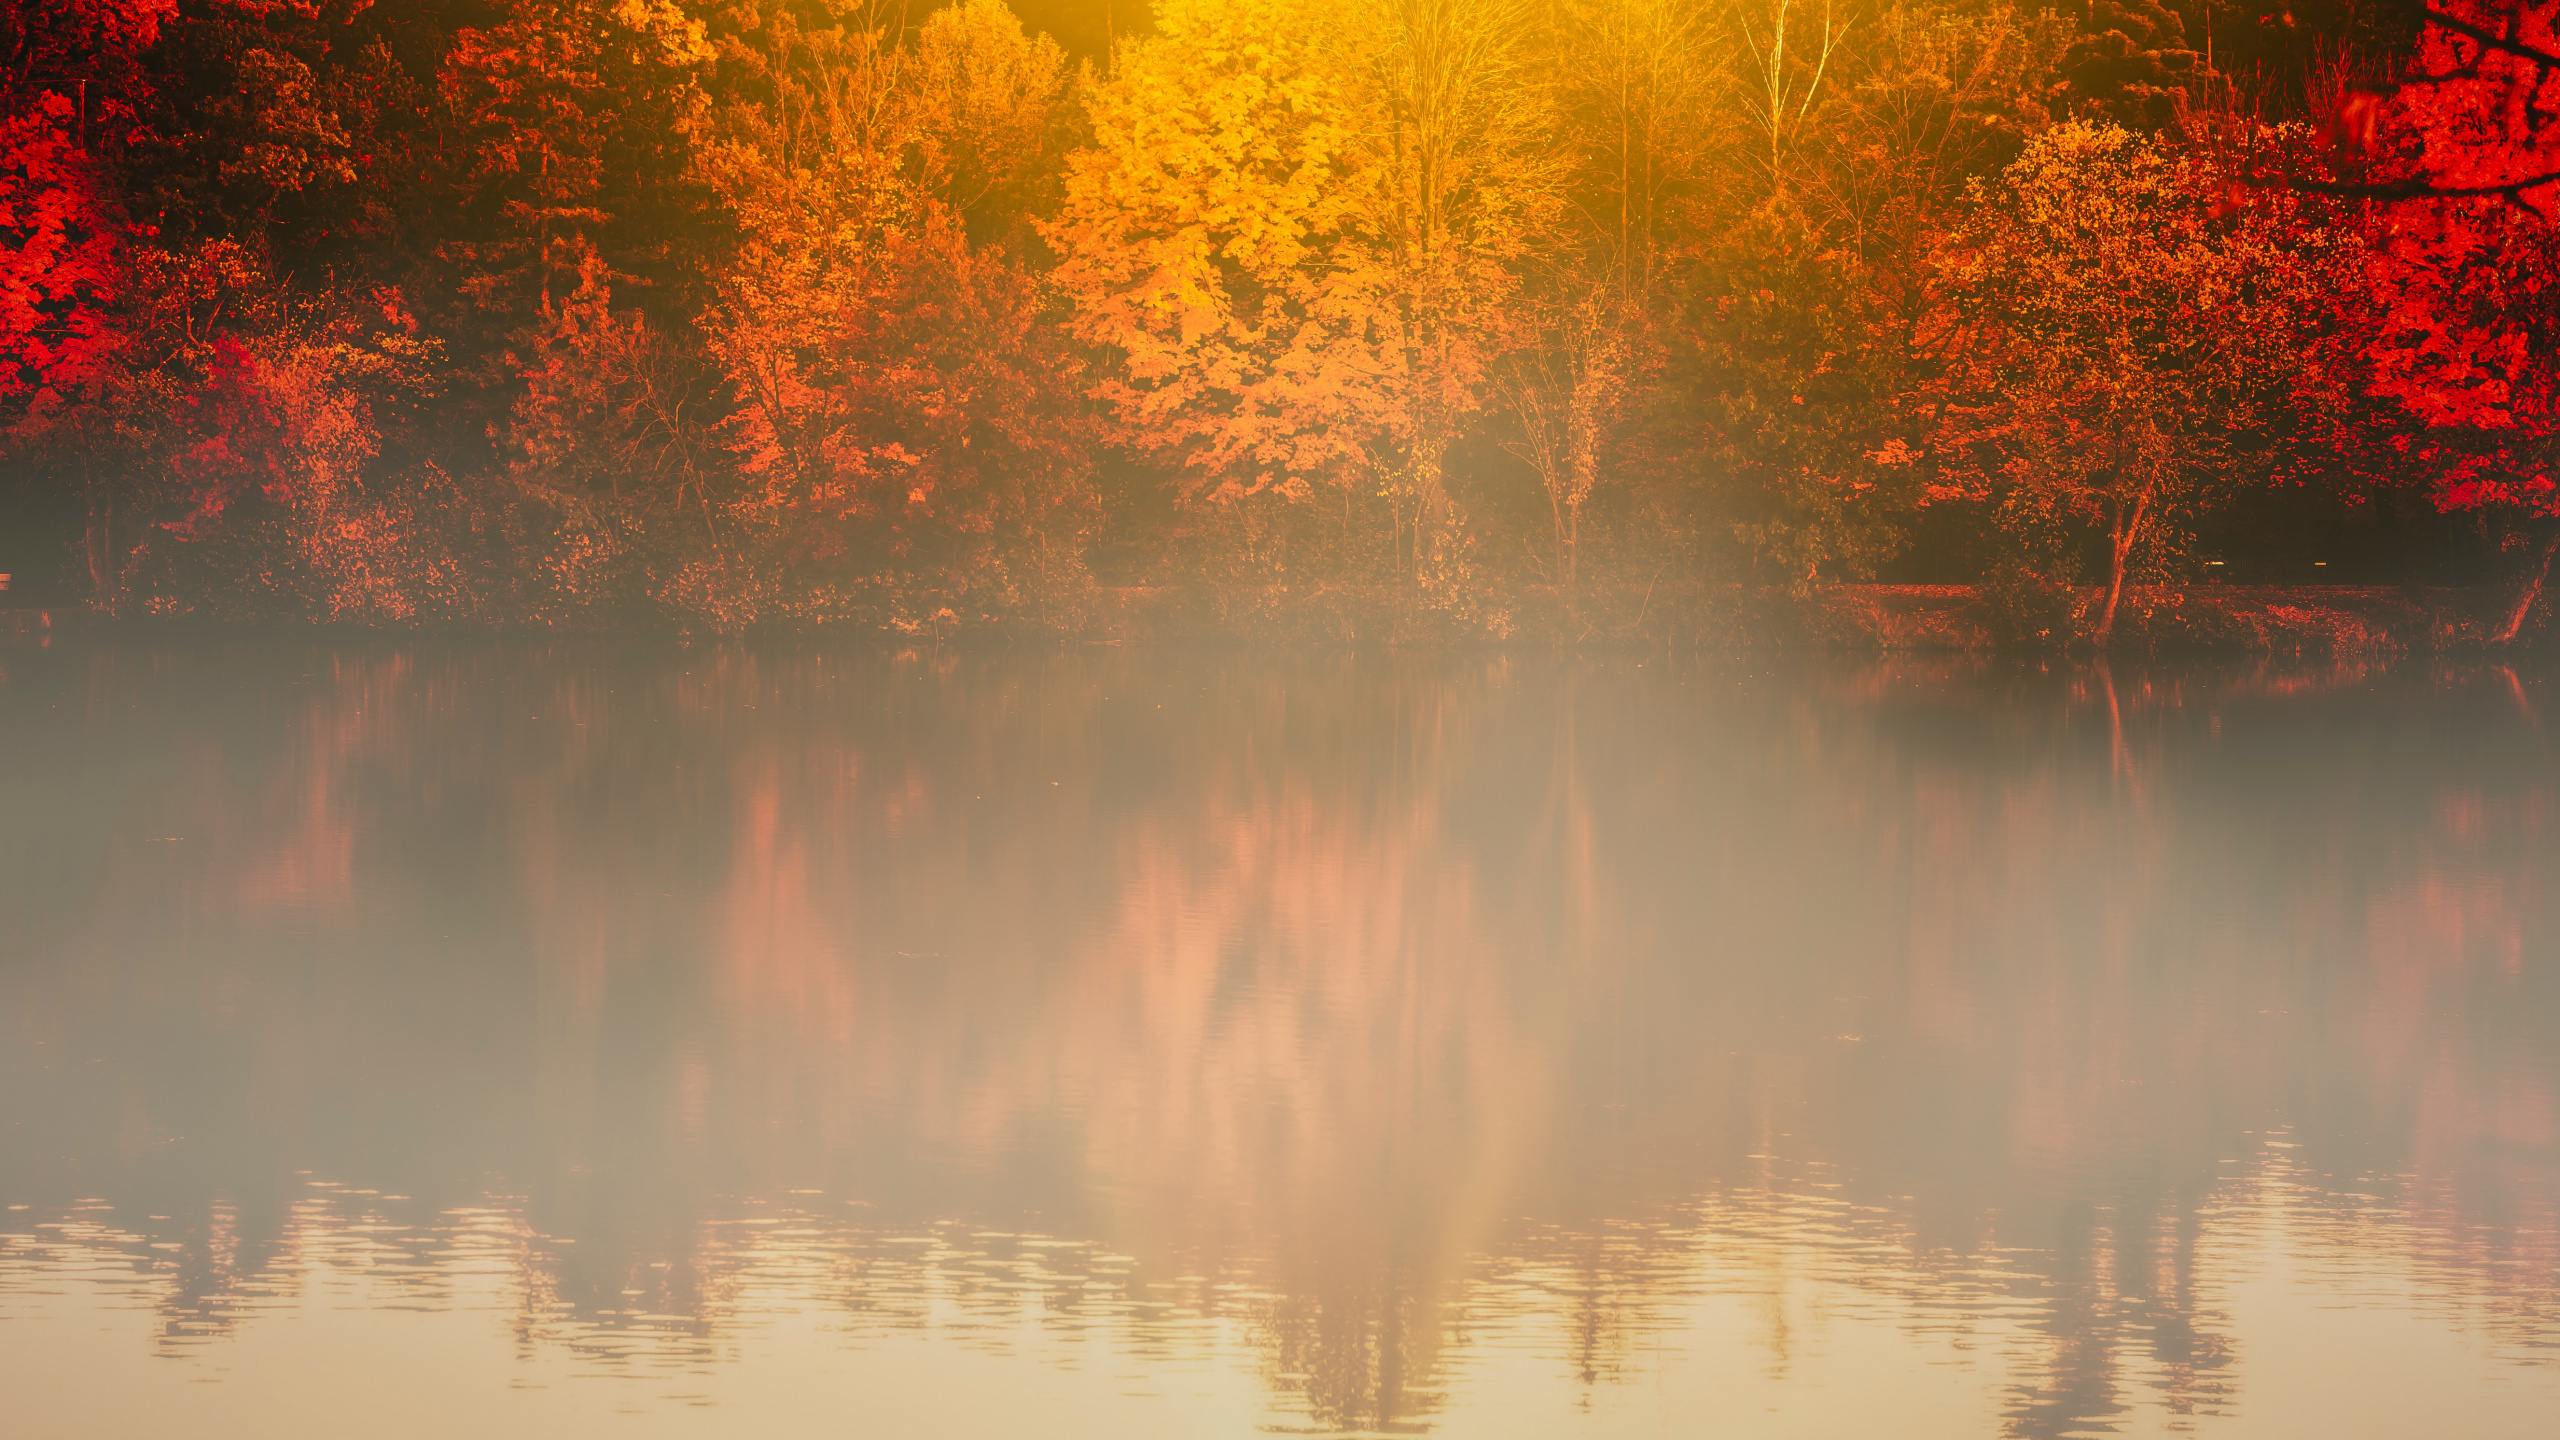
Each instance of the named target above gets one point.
<point>1299,223</point>
<point>987,98</point>
<point>1209,236</point>
<point>1465,177</point>
<point>1637,87</point>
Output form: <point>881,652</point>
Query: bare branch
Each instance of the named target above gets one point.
<point>2492,39</point>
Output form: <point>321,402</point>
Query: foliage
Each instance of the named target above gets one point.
<point>2132,64</point>
<point>2461,332</point>
<point>2455,326</point>
<point>59,267</point>
<point>260,411</point>
<point>1298,228</point>
<point>2120,338</point>
<point>1211,237</point>
<point>990,101</point>
<point>572,114</point>
<point>611,442</point>
<point>1813,318</point>
<point>901,402</point>
<point>1568,390</point>
<point>2028,611</point>
<point>582,312</point>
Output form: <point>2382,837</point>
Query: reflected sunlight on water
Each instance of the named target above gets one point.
<point>544,1040</point>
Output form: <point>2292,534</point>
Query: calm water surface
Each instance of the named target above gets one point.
<point>500,1041</point>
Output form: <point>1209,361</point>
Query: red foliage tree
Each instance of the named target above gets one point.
<point>2457,327</point>
<point>70,75</point>
<point>67,68</point>
<point>58,240</point>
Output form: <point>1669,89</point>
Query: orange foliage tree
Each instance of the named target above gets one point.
<point>2119,335</point>
<point>1810,310</point>
<point>611,445</point>
<point>790,308</point>
<point>902,401</point>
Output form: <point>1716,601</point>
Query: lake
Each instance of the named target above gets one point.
<point>500,1039</point>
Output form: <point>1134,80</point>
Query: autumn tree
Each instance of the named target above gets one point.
<point>1210,242</point>
<point>251,133</point>
<point>1636,90</point>
<point>229,456</point>
<point>1808,317</point>
<point>2119,333</point>
<point>1568,387</point>
<point>989,114</point>
<point>901,401</point>
<point>1462,176</point>
<point>2133,64</point>
<point>612,446</point>
<point>87,51</point>
<point>1634,100</point>
<point>71,76</point>
<point>2456,325</point>
<point>1298,228</point>
<point>60,265</point>
<point>573,116</point>
<point>1786,56</point>
<point>270,461</point>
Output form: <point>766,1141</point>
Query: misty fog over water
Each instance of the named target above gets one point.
<point>519,1039</point>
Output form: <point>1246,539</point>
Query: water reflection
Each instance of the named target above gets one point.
<point>1409,1033</point>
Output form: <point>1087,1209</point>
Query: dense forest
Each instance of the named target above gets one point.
<point>720,314</point>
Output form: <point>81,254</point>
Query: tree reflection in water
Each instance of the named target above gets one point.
<point>1395,1015</point>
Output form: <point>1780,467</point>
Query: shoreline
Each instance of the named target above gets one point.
<point>2209,618</point>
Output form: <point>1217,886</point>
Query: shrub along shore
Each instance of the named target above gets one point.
<point>1966,619</point>
<point>2192,619</point>
<point>2226,619</point>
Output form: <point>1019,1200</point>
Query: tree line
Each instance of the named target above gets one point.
<point>585,313</point>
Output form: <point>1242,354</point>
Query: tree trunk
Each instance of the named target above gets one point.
<point>1548,477</point>
<point>2528,594</point>
<point>2125,529</point>
<point>1573,551</point>
<point>2120,545</point>
<point>1431,510</point>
